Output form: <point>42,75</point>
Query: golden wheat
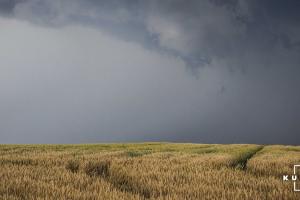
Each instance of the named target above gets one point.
<point>146,171</point>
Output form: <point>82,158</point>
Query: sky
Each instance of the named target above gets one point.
<point>209,71</point>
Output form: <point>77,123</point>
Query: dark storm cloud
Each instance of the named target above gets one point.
<point>245,54</point>
<point>7,6</point>
<point>196,31</point>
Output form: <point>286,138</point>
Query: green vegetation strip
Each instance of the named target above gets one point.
<point>242,159</point>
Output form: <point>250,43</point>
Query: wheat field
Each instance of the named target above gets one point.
<point>147,171</point>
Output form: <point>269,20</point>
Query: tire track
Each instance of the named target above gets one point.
<point>241,162</point>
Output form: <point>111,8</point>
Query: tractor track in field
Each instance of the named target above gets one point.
<point>241,163</point>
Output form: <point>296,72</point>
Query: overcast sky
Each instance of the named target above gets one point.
<point>209,71</point>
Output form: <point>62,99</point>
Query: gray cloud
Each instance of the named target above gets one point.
<point>80,71</point>
<point>197,31</point>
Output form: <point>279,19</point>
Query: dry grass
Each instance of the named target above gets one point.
<point>146,171</point>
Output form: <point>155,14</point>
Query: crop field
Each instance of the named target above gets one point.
<point>147,171</point>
